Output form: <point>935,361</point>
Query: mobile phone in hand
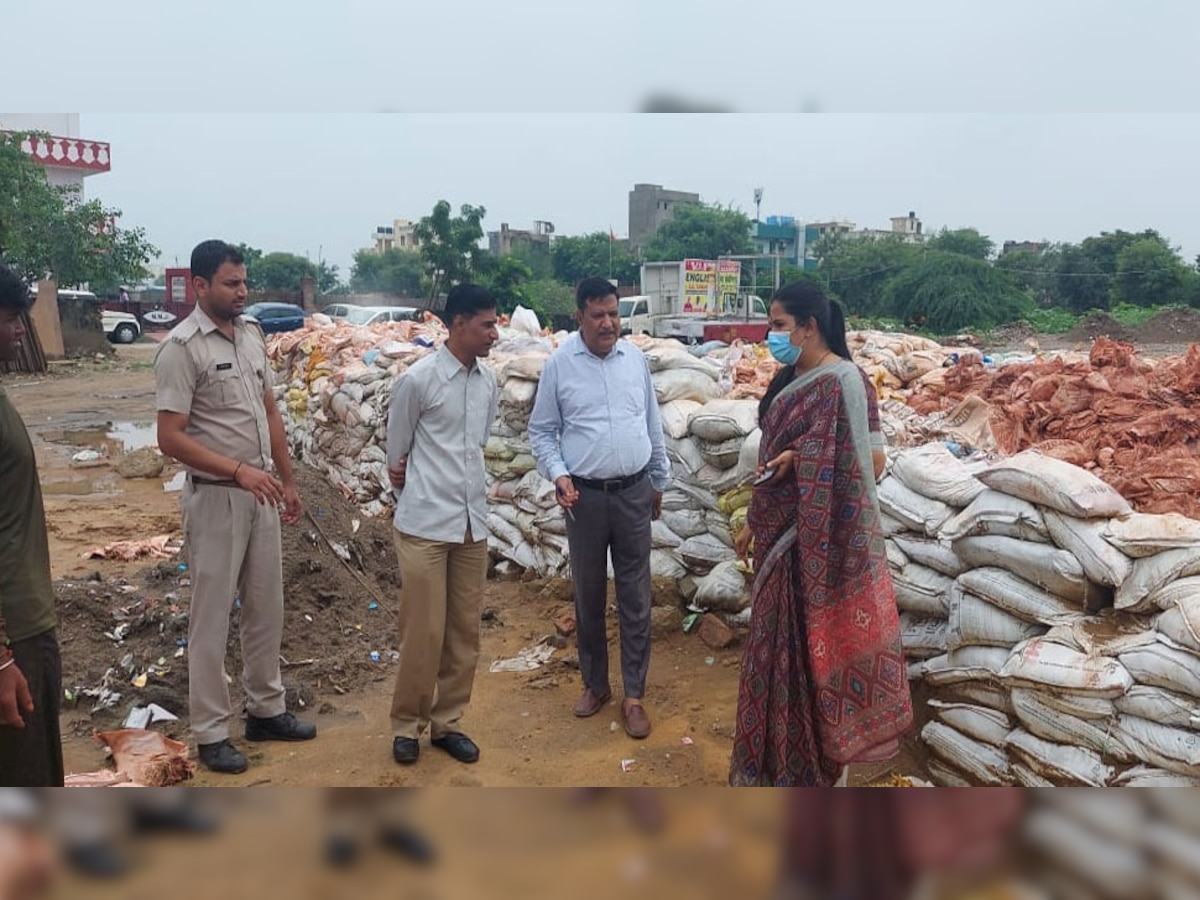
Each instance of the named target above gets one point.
<point>766,476</point>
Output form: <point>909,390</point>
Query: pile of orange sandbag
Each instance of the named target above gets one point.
<point>1134,421</point>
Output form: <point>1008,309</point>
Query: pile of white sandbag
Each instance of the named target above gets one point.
<point>335,384</point>
<point>1058,632</point>
<point>1113,844</point>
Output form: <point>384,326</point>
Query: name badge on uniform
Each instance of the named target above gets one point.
<point>221,367</point>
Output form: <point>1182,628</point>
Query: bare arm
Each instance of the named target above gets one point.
<point>174,441</point>
<point>292,507</point>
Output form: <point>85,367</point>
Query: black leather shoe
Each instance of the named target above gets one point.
<point>407,843</point>
<point>405,750</point>
<point>183,818</point>
<point>341,851</point>
<point>99,860</point>
<point>279,728</point>
<point>222,757</point>
<point>458,745</point>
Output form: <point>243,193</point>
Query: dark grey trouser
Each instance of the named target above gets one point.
<point>32,756</point>
<point>621,521</point>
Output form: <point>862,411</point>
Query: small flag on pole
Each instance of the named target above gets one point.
<point>611,235</point>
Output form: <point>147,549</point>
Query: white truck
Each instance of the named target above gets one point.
<point>694,301</point>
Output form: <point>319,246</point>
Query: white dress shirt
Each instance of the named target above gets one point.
<point>596,417</point>
<point>439,418</point>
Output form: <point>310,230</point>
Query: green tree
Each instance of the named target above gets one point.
<point>505,276</point>
<point>550,295</point>
<point>252,256</point>
<point>946,292</point>
<point>449,246</point>
<point>536,256</point>
<point>1035,271</point>
<point>1080,282</point>
<point>701,231</point>
<point>963,241</point>
<point>577,257</point>
<point>394,271</point>
<point>859,270</point>
<point>47,230</point>
<point>1150,273</point>
<point>279,271</point>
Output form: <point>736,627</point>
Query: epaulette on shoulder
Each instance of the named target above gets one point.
<point>184,331</point>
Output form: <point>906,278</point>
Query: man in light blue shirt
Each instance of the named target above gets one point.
<point>438,423</point>
<point>597,435</point>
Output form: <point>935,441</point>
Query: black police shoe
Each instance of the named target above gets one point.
<point>279,728</point>
<point>458,746</point>
<point>222,757</point>
<point>405,750</point>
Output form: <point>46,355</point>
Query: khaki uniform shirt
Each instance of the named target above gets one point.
<point>219,384</point>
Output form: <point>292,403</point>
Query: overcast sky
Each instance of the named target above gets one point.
<point>318,184</point>
<point>1028,118</point>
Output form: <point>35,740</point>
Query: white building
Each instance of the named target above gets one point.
<point>67,157</point>
<point>397,236</point>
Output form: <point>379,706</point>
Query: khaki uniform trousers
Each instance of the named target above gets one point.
<point>441,588</point>
<point>234,550</point>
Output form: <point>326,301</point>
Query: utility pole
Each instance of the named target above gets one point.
<point>758,194</point>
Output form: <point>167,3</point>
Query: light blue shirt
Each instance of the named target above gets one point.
<point>439,419</point>
<point>598,417</point>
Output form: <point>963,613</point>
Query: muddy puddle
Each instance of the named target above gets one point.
<point>112,438</point>
<point>94,449</point>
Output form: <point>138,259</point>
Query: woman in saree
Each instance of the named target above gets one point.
<point>823,680</point>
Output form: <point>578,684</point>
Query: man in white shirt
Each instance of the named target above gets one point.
<point>438,423</point>
<point>596,433</point>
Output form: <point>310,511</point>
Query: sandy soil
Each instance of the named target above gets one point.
<point>336,619</point>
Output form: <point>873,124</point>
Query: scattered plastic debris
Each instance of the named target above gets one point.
<point>175,485</point>
<point>628,765</point>
<point>141,716</point>
<point>527,660</point>
<point>162,546</point>
<point>86,458</point>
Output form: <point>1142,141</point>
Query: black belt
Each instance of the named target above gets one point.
<point>610,485</point>
<point>213,481</point>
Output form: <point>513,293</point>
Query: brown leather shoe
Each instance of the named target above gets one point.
<point>589,704</point>
<point>637,723</point>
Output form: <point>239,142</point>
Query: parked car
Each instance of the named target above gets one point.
<point>337,310</point>
<point>373,315</point>
<point>275,317</point>
<point>119,327</point>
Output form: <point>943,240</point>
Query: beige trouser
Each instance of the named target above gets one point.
<point>441,587</point>
<point>234,550</point>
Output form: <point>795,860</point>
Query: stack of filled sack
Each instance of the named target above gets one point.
<point>1057,631</point>
<point>335,381</point>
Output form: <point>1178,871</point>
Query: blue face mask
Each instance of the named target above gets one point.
<point>781,347</point>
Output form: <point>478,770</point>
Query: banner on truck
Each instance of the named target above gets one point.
<point>729,279</point>
<point>699,284</point>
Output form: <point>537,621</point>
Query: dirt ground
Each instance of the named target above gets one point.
<point>122,620</point>
<point>1169,333</point>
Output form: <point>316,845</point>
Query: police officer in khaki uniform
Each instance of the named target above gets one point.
<point>217,415</point>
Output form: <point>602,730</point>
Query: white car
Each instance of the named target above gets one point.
<point>119,327</point>
<point>373,315</point>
